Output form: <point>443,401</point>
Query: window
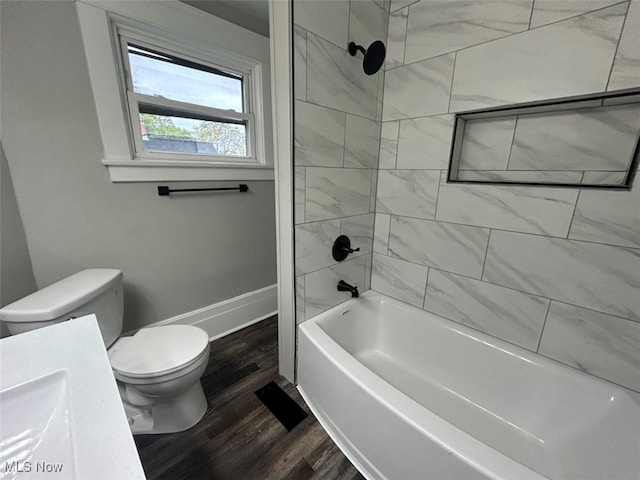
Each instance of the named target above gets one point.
<point>179,95</point>
<point>180,108</point>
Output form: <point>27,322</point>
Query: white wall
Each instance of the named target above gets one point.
<point>16,274</point>
<point>249,14</point>
<point>556,271</point>
<point>179,253</point>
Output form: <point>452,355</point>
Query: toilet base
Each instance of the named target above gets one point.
<point>167,414</point>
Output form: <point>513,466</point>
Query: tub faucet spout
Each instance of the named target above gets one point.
<point>345,287</point>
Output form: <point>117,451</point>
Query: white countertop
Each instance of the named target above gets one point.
<point>61,416</point>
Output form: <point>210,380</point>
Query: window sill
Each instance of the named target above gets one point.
<point>157,171</point>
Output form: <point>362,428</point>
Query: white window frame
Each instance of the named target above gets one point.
<point>126,36</point>
<point>183,31</point>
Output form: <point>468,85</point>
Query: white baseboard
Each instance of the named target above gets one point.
<point>230,315</point>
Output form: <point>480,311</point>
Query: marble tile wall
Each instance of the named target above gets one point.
<point>337,130</point>
<point>553,270</point>
<point>570,57</point>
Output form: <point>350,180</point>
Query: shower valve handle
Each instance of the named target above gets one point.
<point>342,248</point>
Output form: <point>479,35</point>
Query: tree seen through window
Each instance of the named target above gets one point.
<point>227,139</point>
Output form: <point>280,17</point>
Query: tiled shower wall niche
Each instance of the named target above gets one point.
<point>553,270</point>
<point>586,142</point>
<point>337,115</point>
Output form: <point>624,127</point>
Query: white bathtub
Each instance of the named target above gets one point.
<point>409,395</point>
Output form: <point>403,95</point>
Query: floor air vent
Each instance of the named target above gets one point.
<point>283,407</point>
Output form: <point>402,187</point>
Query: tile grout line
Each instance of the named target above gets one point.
<point>346,217</point>
<point>511,35</point>
<point>546,316</point>
<point>406,34</point>
<point>440,269</point>
<point>389,236</point>
<point>573,215</point>
<point>424,60</point>
<point>304,298</point>
<point>306,183</point>
<point>426,287</point>
<point>552,237</point>
<point>588,373</point>
<point>381,7</point>
<point>533,7</point>
<point>453,74</point>
<point>404,6</point>
<point>383,68</point>
<point>334,264</point>
<point>338,167</point>
<point>373,240</point>
<point>615,53</point>
<point>373,191</point>
<point>513,140</point>
<point>311,102</point>
<point>395,163</point>
<point>443,114</point>
<point>344,142</point>
<point>380,101</point>
<point>306,65</point>
<point>348,25</point>
<point>435,208</point>
<point>548,185</point>
<point>331,42</point>
<point>486,254</point>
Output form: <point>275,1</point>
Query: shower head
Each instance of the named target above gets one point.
<point>373,56</point>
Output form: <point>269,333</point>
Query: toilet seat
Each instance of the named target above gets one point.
<point>156,351</point>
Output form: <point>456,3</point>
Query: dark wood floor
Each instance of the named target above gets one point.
<point>238,438</point>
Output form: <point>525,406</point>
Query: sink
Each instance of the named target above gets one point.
<point>45,428</point>
<point>60,410</point>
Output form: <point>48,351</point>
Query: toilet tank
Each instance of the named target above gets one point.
<point>96,290</point>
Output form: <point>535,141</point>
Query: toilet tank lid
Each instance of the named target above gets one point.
<point>62,297</point>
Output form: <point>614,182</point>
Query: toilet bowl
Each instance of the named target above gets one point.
<point>160,369</point>
<point>157,370</point>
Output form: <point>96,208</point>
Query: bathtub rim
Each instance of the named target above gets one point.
<point>466,330</point>
<point>466,448</point>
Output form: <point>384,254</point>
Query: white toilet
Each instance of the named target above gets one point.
<point>158,369</point>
